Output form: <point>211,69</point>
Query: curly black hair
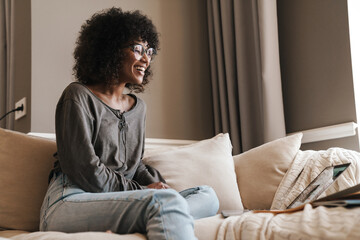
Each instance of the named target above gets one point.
<point>99,48</point>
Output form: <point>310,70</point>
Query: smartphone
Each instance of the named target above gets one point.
<point>229,213</point>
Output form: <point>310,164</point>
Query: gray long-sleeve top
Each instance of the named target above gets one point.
<point>100,148</point>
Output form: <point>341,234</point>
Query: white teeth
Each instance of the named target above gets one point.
<point>140,68</point>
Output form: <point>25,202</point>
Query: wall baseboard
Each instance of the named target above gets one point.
<point>329,132</point>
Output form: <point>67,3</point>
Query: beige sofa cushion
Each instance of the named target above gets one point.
<point>25,165</point>
<point>207,162</point>
<point>205,229</point>
<point>76,236</point>
<point>260,170</point>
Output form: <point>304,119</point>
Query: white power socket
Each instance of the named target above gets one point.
<point>20,114</point>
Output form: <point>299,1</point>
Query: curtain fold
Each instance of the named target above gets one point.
<point>245,71</point>
<point>6,61</point>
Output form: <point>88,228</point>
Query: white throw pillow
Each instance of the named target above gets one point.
<point>260,170</point>
<point>207,162</point>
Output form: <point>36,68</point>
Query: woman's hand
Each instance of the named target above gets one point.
<point>158,185</point>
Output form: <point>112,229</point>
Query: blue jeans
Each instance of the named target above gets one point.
<point>160,214</point>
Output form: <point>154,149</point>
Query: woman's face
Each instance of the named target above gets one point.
<point>134,64</point>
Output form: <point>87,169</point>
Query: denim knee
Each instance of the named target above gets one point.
<point>169,213</point>
<point>211,197</point>
<point>171,198</point>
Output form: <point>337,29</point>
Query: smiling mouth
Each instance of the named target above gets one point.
<point>140,69</point>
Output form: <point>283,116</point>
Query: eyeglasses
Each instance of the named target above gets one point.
<point>139,51</point>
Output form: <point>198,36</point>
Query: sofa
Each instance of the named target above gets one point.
<point>246,181</point>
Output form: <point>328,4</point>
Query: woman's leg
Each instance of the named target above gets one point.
<point>161,214</point>
<point>202,201</point>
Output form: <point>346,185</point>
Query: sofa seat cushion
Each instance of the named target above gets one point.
<point>25,165</point>
<point>7,234</point>
<point>260,170</point>
<point>77,236</point>
<point>205,229</point>
<point>207,162</point>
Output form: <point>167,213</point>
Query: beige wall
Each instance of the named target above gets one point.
<point>178,99</point>
<point>315,64</point>
<point>316,67</point>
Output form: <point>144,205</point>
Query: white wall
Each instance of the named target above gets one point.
<point>354,32</point>
<point>179,97</point>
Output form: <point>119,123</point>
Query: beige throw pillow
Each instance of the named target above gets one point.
<point>208,162</point>
<point>25,165</point>
<point>260,170</point>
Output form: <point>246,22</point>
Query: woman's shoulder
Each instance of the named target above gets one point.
<point>75,87</point>
<point>75,91</point>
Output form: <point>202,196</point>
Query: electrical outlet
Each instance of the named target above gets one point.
<point>20,114</point>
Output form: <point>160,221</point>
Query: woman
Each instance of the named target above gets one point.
<point>99,182</point>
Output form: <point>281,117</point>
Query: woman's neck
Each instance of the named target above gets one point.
<point>113,96</point>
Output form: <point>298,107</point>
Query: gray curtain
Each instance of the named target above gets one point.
<point>245,71</point>
<point>6,61</point>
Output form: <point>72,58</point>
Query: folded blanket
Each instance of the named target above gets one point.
<point>307,165</point>
<point>311,223</point>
